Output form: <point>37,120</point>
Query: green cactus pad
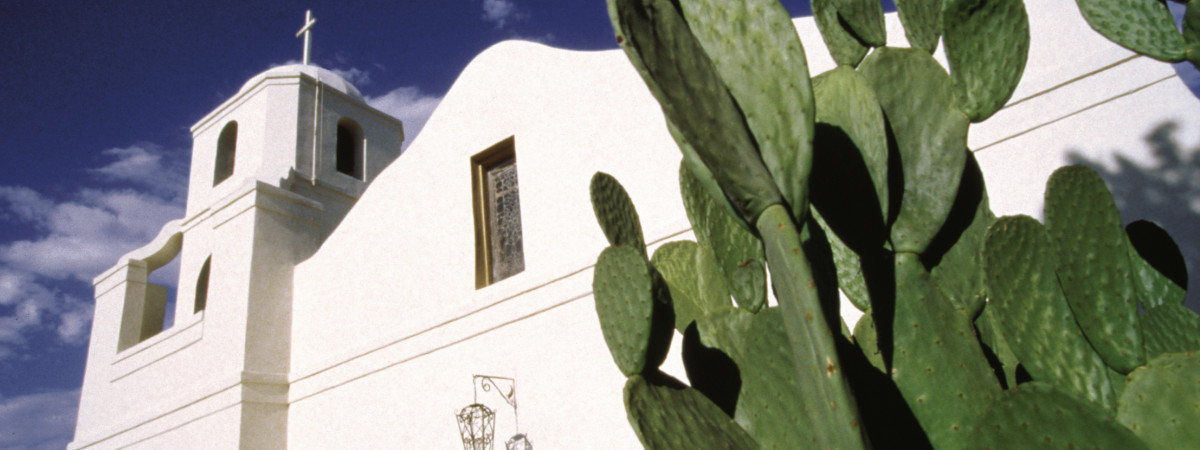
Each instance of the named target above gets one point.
<point>623,287</point>
<point>694,98</point>
<point>865,19</point>
<point>1191,23</point>
<point>922,21</point>
<point>739,252</point>
<point>1170,328</point>
<point>1095,271</point>
<point>748,278</point>
<point>667,415</point>
<point>1036,416</point>
<point>960,272</point>
<point>772,402</point>
<point>849,267</point>
<point>1032,313</point>
<point>931,133</point>
<point>987,43</point>
<point>1161,403</point>
<point>867,339</point>
<point>780,115</point>
<point>809,335</point>
<point>938,363</point>
<point>845,100</point>
<point>991,336</point>
<point>696,283</point>
<point>615,212</point>
<point>1144,26</point>
<point>845,48</point>
<point>1159,265</point>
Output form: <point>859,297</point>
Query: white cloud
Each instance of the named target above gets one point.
<point>78,237</point>
<point>38,421</point>
<point>354,75</point>
<point>408,104</point>
<point>501,12</point>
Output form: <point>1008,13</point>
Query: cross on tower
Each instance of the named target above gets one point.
<point>306,30</point>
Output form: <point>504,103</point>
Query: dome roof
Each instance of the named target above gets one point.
<point>326,76</point>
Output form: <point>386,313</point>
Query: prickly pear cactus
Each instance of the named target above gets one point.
<point>979,332</point>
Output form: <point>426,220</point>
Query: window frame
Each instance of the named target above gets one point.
<point>497,155</point>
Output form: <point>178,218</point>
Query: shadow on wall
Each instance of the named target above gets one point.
<point>1167,192</point>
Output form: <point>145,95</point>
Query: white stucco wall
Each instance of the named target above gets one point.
<point>387,314</point>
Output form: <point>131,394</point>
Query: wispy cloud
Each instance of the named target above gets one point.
<point>408,104</point>
<point>502,12</point>
<point>38,421</point>
<point>77,237</point>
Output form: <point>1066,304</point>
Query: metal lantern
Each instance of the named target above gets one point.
<point>518,442</point>
<point>477,425</point>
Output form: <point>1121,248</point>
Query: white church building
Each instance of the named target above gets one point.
<point>337,293</point>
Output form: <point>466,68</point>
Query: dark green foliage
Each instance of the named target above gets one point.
<point>987,43</point>
<point>846,48</point>
<point>931,136</point>
<point>1161,403</point>
<point>922,21</point>
<point>809,335</point>
<point>615,213</point>
<point>1095,272</point>
<point>865,183</point>
<point>938,364</point>
<point>1035,415</point>
<point>1144,26</point>
<point>1157,263</point>
<point>668,415</point>
<point>694,99</point>
<point>631,320</point>
<point>696,284</point>
<point>1033,315</point>
<point>1171,328</point>
<point>779,115</point>
<point>739,252</point>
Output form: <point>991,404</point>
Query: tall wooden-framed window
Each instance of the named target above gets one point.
<point>499,251</point>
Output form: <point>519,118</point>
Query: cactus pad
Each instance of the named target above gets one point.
<point>1144,26</point>
<point>1035,415</point>
<point>844,46</point>
<point>615,212</point>
<point>1095,271</point>
<point>779,115</point>
<point>922,21</point>
<point>1159,265</point>
<point>739,252</point>
<point>1033,315</point>
<point>694,99</point>
<point>696,283</point>
<point>772,402</point>
<point>667,415</point>
<point>1171,328</point>
<point>1161,403</point>
<point>937,363</point>
<point>623,288</point>
<point>931,133</point>
<point>987,43</point>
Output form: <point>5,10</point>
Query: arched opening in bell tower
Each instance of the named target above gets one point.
<point>226,151</point>
<point>350,148</point>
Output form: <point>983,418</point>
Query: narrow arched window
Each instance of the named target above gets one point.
<point>349,148</point>
<point>226,150</point>
<point>202,286</point>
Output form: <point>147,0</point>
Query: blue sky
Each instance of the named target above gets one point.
<point>98,98</point>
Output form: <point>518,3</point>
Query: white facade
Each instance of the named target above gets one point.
<point>320,332</point>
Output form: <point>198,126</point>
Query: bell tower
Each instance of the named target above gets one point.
<point>274,170</point>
